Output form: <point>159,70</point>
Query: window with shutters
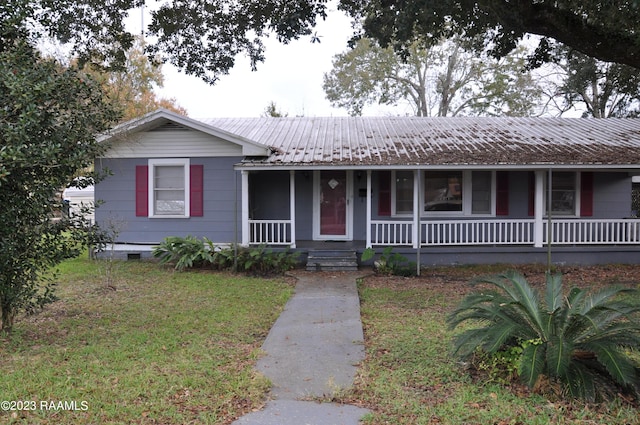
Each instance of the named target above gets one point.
<point>564,193</point>
<point>169,187</point>
<point>571,193</point>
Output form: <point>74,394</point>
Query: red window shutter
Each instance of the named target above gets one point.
<point>502,193</point>
<point>586,194</point>
<point>196,195</point>
<point>384,193</point>
<point>142,191</point>
<point>532,193</point>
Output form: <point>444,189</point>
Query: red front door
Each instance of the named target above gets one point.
<point>333,203</point>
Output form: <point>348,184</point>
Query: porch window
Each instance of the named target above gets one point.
<point>459,192</point>
<point>443,191</point>
<point>462,192</point>
<point>563,193</point>
<point>403,192</point>
<point>481,190</point>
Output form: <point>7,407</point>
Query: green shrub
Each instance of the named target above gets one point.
<point>389,262</point>
<point>263,261</point>
<point>185,252</point>
<point>189,252</point>
<point>582,341</point>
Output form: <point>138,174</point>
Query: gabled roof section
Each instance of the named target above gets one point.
<point>446,141</point>
<point>165,119</point>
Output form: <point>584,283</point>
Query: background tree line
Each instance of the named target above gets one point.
<point>452,79</point>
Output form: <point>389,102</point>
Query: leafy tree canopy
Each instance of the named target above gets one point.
<point>132,88</point>
<point>94,29</point>
<point>602,89</point>
<point>444,80</point>
<point>203,37</point>
<point>607,30</point>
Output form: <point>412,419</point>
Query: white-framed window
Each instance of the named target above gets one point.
<point>443,191</point>
<point>483,194</point>
<point>455,192</point>
<point>169,188</point>
<point>565,193</point>
<point>446,192</point>
<point>402,192</point>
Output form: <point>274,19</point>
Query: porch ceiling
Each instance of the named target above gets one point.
<point>463,141</point>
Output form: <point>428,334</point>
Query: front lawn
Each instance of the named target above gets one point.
<point>134,342</point>
<point>410,377</point>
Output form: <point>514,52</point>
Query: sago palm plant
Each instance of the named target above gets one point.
<point>581,340</point>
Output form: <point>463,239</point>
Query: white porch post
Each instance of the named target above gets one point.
<point>538,227</point>
<point>292,206</point>
<point>415,234</point>
<point>245,208</point>
<point>368,218</point>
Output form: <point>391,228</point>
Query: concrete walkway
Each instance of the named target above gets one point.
<point>312,351</point>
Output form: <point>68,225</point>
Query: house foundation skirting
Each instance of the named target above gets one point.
<point>444,256</point>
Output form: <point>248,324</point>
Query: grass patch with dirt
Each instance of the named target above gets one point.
<point>133,342</point>
<point>410,377</point>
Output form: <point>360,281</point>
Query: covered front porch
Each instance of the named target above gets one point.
<point>301,221</point>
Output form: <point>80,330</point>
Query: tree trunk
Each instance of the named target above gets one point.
<point>8,316</point>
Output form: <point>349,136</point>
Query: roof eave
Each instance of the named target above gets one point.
<point>527,167</point>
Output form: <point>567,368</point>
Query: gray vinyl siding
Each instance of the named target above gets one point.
<point>611,195</point>
<point>518,194</point>
<point>304,205</point>
<point>360,207</point>
<point>221,204</point>
<point>172,143</point>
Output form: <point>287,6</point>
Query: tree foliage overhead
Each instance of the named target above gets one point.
<point>607,30</point>
<point>204,37</point>
<point>444,80</point>
<point>93,29</point>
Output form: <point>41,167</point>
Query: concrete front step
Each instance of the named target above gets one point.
<point>334,260</point>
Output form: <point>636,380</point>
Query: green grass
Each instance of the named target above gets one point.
<point>141,344</point>
<point>138,343</point>
<point>410,377</point>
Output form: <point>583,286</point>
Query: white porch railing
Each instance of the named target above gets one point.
<point>391,232</point>
<point>505,232</point>
<point>477,232</point>
<point>597,232</point>
<point>472,232</point>
<point>270,232</point>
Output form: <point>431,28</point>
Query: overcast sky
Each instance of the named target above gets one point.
<point>291,76</point>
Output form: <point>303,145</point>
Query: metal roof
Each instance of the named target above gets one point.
<point>446,141</point>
